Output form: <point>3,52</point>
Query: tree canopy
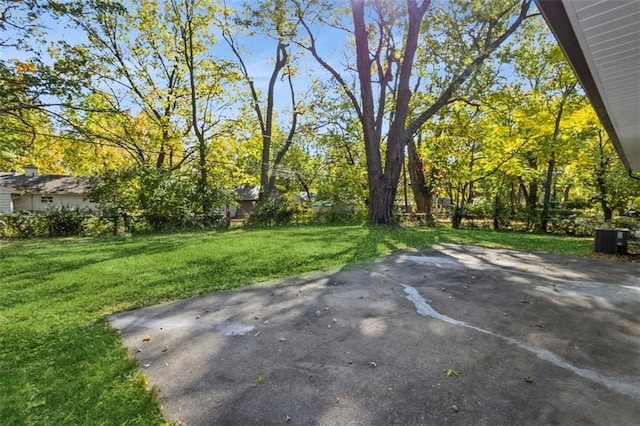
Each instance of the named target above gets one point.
<point>367,105</point>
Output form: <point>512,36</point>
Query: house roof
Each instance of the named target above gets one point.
<point>601,39</point>
<point>45,184</point>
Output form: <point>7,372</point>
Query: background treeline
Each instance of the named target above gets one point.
<point>464,112</point>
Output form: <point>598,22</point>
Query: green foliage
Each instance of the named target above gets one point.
<point>94,226</point>
<point>339,212</point>
<point>273,211</point>
<point>63,221</point>
<point>161,198</point>
<point>630,223</point>
<point>52,223</point>
<point>450,372</point>
<point>124,95</point>
<point>23,225</point>
<point>569,222</point>
<point>483,210</point>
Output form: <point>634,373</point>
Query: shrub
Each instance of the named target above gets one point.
<point>23,225</point>
<point>338,212</point>
<point>479,211</point>
<point>585,227</point>
<point>526,220</point>
<point>630,223</point>
<point>163,198</point>
<point>94,226</point>
<point>273,211</point>
<point>63,221</point>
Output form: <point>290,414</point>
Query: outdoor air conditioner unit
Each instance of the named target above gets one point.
<point>611,241</point>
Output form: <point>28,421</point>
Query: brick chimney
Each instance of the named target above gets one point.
<point>30,170</point>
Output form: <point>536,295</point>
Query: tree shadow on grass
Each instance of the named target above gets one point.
<point>69,373</point>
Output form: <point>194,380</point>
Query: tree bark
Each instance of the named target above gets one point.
<point>530,194</point>
<point>548,184</point>
<point>546,204</point>
<point>497,209</point>
<point>383,182</point>
<point>565,196</point>
<point>187,34</point>
<point>418,181</point>
<point>267,185</point>
<point>601,169</point>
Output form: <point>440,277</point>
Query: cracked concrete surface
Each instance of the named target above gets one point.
<point>357,345</point>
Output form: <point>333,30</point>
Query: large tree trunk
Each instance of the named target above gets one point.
<point>530,194</point>
<point>602,189</point>
<point>418,181</point>
<point>383,182</point>
<point>382,198</point>
<point>548,184</point>
<point>546,204</point>
<point>456,219</point>
<point>202,183</point>
<point>565,196</point>
<point>601,170</point>
<point>189,56</point>
<point>267,186</point>
<point>381,201</point>
<point>497,210</point>
<point>422,192</point>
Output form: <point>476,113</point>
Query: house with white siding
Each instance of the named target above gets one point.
<point>34,192</point>
<point>6,200</point>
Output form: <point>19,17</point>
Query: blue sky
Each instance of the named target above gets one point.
<point>332,45</point>
<point>259,60</point>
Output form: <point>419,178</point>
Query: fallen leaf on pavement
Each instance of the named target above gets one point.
<point>451,372</point>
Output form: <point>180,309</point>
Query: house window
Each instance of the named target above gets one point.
<point>46,199</point>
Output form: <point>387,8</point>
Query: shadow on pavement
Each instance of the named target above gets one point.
<point>516,338</point>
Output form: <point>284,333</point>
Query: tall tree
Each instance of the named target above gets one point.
<point>135,67</point>
<point>273,19</point>
<point>553,89</point>
<point>33,79</point>
<point>605,176</point>
<point>385,57</point>
<point>206,78</point>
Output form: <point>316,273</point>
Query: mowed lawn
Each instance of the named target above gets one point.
<point>61,363</point>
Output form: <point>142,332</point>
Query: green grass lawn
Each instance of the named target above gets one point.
<point>61,363</point>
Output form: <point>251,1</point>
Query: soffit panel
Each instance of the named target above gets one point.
<point>608,33</point>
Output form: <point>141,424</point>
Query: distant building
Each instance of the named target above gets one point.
<point>33,192</point>
<point>247,197</point>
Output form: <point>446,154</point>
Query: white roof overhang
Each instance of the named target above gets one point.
<point>601,39</point>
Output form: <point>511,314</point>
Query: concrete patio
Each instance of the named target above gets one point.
<point>445,335</point>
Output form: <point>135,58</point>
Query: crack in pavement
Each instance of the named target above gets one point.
<point>617,385</point>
